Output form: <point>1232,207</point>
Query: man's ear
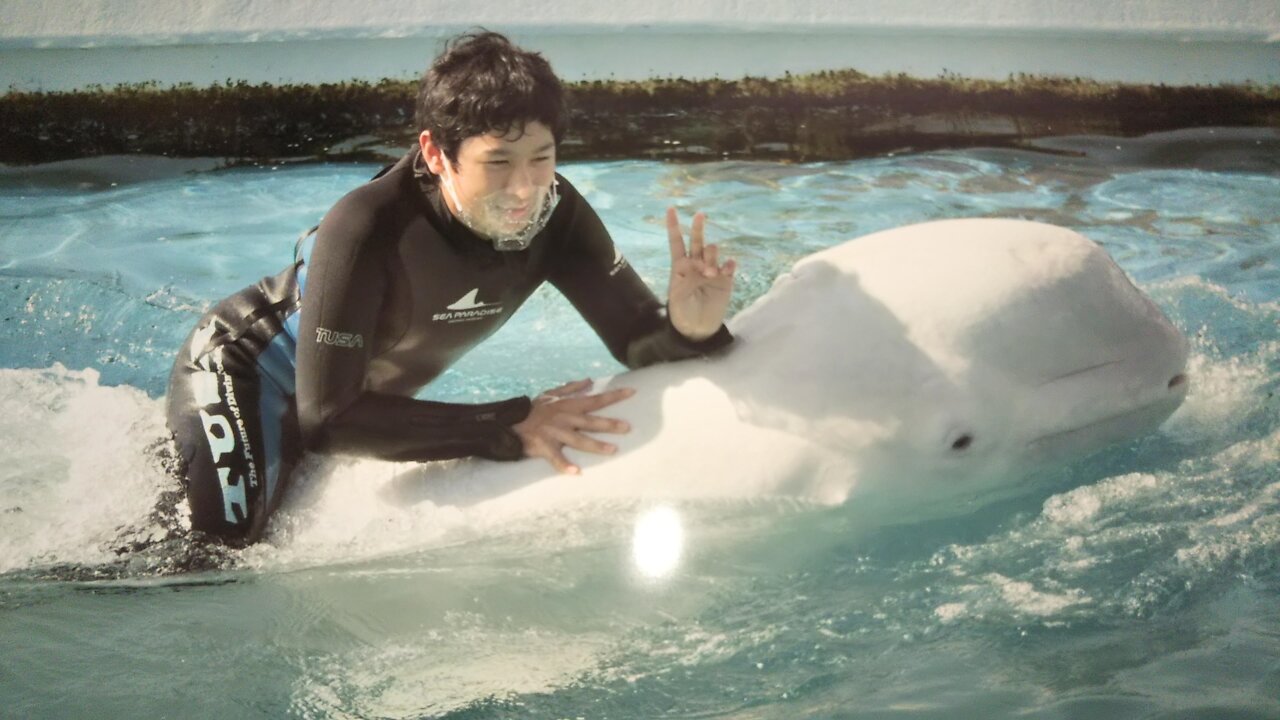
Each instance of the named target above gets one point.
<point>432,155</point>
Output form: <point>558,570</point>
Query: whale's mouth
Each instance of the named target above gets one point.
<point>1120,426</point>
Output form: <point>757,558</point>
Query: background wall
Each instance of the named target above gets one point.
<point>61,22</point>
<point>62,44</point>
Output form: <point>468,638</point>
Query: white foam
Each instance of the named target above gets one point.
<point>1025,598</point>
<point>1223,387</point>
<point>1144,534</point>
<point>999,595</point>
<point>76,465</point>
<point>1222,391</point>
<point>444,670</point>
<point>1235,539</point>
<point>1082,507</point>
<point>1247,527</point>
<point>346,509</point>
<point>349,508</point>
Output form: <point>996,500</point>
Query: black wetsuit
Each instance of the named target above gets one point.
<point>386,294</point>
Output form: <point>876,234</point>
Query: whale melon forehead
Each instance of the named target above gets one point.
<point>987,287</point>
<point>944,272</point>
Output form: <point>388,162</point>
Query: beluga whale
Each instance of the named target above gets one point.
<point>922,364</point>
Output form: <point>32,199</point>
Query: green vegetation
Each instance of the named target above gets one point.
<point>235,120</point>
<point>826,115</point>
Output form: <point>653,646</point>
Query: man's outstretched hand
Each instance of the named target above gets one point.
<point>561,417</point>
<point>698,294</point>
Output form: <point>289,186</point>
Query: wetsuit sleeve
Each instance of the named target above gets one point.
<point>614,300</point>
<point>346,283</point>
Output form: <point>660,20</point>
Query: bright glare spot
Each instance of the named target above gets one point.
<point>658,542</point>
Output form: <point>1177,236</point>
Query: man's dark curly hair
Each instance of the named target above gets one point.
<point>483,83</point>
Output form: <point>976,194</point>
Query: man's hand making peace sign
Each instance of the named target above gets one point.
<point>698,294</point>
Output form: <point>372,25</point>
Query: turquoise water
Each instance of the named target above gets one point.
<point>1140,583</point>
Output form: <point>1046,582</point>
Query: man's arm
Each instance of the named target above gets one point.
<point>613,299</point>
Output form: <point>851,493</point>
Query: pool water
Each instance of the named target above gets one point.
<point>1142,582</point>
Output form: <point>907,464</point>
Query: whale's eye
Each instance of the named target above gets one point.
<point>962,443</point>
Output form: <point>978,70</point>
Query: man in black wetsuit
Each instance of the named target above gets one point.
<point>404,275</point>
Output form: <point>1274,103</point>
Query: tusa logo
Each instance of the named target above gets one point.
<point>212,389</point>
<point>339,339</point>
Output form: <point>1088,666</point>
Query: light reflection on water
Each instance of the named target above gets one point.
<point>658,542</point>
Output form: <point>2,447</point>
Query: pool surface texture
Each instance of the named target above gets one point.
<point>1140,583</point>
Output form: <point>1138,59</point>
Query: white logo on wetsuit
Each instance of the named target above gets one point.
<point>207,389</point>
<point>467,309</point>
<point>339,339</point>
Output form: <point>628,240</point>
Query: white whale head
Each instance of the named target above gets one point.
<point>954,355</point>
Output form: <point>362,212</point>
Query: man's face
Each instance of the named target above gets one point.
<point>502,181</point>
